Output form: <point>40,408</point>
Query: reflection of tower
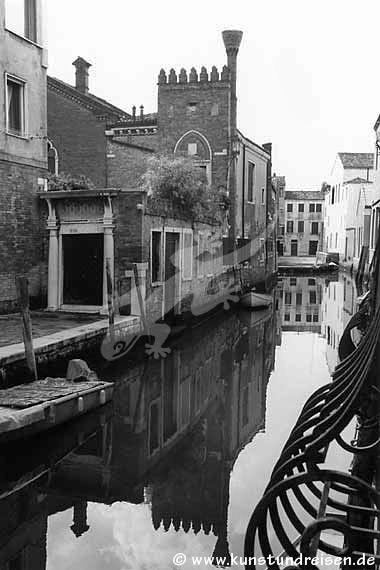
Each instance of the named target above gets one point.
<point>80,525</point>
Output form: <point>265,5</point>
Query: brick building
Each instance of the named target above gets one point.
<point>23,158</point>
<point>196,117</point>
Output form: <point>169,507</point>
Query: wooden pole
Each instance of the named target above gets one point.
<point>110,300</point>
<point>23,300</point>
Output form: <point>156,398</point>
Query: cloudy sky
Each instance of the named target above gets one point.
<point>307,77</point>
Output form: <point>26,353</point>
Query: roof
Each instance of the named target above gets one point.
<point>305,195</point>
<point>356,159</point>
<point>358,180</point>
<point>246,140</point>
<point>96,104</point>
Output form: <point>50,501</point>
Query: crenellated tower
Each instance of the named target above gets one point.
<point>197,115</point>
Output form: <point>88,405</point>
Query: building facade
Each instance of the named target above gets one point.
<point>349,193</point>
<point>279,183</point>
<point>304,212</point>
<point>23,155</point>
<point>196,118</point>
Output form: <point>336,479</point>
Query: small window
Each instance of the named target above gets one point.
<point>308,318</point>
<point>289,227</point>
<point>293,281</point>
<point>289,208</point>
<point>318,208</point>
<point>299,299</point>
<point>288,298</point>
<point>311,207</point>
<point>15,98</point>
<point>282,230</point>
<point>215,110</point>
<point>287,317</point>
<point>156,258</point>
<point>52,158</point>
<point>301,208</point>
<point>298,318</point>
<point>311,282</point>
<point>192,149</point>
<point>191,107</point>
<point>315,318</point>
<point>263,196</point>
<point>201,250</point>
<point>313,297</point>
<point>251,182</point>
<point>314,228</point>
<point>301,227</point>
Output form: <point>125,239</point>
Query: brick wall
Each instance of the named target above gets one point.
<point>175,118</point>
<point>78,137</point>
<point>21,234</point>
<point>126,164</point>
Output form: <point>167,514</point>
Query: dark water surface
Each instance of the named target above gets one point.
<point>181,458</point>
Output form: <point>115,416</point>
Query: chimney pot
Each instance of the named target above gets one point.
<point>81,74</point>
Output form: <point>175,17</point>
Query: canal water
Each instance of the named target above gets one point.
<point>179,460</point>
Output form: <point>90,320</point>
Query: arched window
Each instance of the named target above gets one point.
<point>52,158</point>
<point>196,146</point>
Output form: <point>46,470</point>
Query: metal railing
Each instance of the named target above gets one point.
<point>304,501</point>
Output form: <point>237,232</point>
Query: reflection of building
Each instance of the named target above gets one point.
<point>303,223</point>
<point>301,304</point>
<point>338,306</point>
<point>177,430</point>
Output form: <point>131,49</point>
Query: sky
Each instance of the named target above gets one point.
<point>307,70</point>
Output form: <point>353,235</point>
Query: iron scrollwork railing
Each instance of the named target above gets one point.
<point>303,500</point>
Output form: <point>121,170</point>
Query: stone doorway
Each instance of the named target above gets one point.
<point>83,257</point>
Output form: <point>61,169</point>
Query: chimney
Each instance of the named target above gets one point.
<point>232,39</point>
<point>81,74</point>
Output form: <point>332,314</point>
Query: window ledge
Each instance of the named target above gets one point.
<point>27,40</point>
<point>22,137</point>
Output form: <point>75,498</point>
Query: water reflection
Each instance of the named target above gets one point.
<point>183,455</point>
<point>178,426</point>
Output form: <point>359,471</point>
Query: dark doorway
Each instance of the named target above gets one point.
<point>313,247</point>
<point>171,286</point>
<point>83,269</point>
<point>294,247</point>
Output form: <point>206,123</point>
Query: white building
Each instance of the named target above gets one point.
<point>375,214</point>
<point>347,205</point>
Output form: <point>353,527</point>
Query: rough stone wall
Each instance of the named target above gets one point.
<point>21,234</point>
<point>78,137</point>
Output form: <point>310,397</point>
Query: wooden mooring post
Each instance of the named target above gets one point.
<point>23,300</point>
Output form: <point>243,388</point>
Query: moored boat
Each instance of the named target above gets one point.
<point>255,301</point>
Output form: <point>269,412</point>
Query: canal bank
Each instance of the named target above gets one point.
<point>67,342</point>
<point>191,442</point>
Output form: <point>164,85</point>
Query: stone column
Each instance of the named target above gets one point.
<point>53,267</point>
<point>141,271</point>
<point>109,252</point>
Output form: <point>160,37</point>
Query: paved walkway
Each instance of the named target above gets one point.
<point>61,334</point>
<point>43,323</point>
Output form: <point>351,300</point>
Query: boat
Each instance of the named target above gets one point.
<point>255,301</point>
<point>326,262</point>
<point>38,406</point>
